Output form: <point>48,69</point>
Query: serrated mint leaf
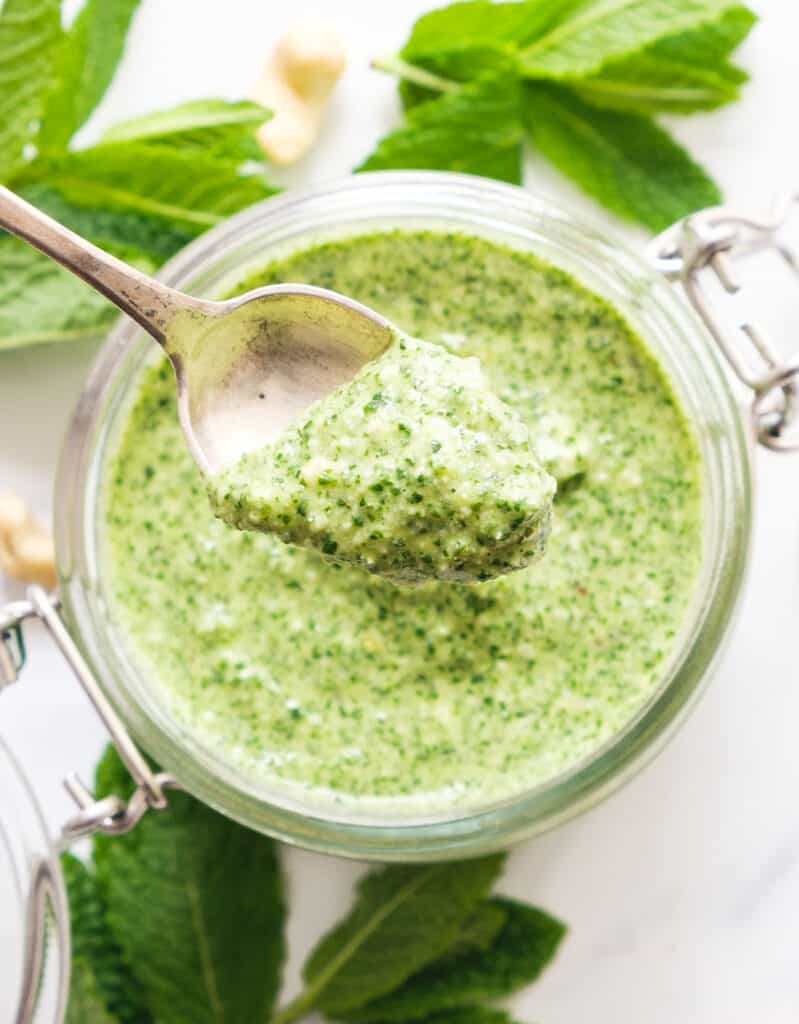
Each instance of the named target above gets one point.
<point>624,160</point>
<point>476,129</point>
<point>30,36</point>
<point>214,127</point>
<point>598,31</point>
<point>100,976</point>
<point>86,65</point>
<point>403,918</point>
<point>526,943</point>
<point>192,191</point>
<point>195,901</point>
<point>85,1004</point>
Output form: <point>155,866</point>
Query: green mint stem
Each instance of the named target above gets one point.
<point>294,1010</point>
<point>395,65</point>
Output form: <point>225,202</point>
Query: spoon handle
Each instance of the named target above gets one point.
<point>150,303</point>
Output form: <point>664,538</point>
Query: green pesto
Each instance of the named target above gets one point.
<point>414,471</point>
<point>336,681</point>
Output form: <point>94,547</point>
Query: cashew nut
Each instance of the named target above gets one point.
<point>296,85</point>
<point>26,547</point>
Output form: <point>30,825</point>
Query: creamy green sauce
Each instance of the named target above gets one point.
<point>308,673</point>
<point>414,470</point>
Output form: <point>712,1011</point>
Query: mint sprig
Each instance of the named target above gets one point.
<point>181,922</point>
<point>164,177</point>
<point>592,75</point>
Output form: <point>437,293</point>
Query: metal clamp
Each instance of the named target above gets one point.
<point>112,814</point>
<point>716,239</point>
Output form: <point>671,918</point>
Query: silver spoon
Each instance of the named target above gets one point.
<point>245,367</point>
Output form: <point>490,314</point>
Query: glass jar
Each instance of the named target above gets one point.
<point>215,263</point>
<point>34,935</point>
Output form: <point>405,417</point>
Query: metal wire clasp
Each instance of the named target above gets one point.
<point>716,239</point>
<point>111,814</point>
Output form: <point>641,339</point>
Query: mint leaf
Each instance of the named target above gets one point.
<point>195,901</point>
<point>597,31</point>
<point>30,34</point>
<point>39,301</point>
<point>525,945</point>
<point>712,43</point>
<point>403,918</point>
<point>87,62</point>
<point>624,160</point>
<point>216,127</point>
<point>681,73</point>
<point>99,973</point>
<point>85,1005</point>
<point>476,129</point>
<point>190,190</point>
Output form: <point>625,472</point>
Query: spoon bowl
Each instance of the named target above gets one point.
<point>245,367</point>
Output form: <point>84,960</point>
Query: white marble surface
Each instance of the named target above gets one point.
<point>682,891</point>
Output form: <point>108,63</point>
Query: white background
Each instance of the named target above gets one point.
<point>682,891</point>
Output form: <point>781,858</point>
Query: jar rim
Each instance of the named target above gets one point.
<point>510,212</point>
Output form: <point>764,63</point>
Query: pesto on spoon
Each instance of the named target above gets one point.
<point>440,485</point>
<point>413,470</point>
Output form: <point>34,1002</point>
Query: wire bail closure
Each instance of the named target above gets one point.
<point>716,239</point>
<point>112,814</point>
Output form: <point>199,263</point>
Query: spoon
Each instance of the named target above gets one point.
<point>245,367</point>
